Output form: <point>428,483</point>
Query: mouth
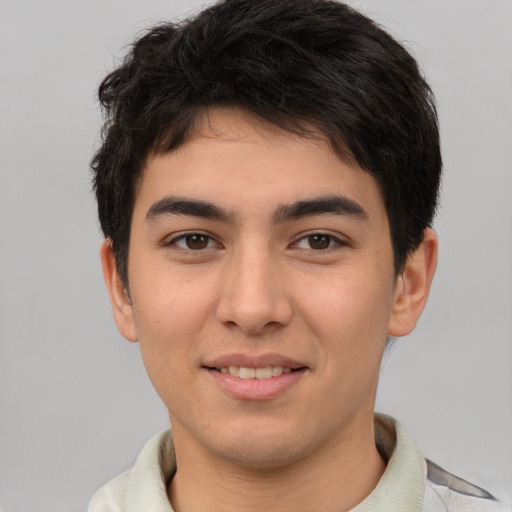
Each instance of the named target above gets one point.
<point>260,373</point>
<point>255,378</point>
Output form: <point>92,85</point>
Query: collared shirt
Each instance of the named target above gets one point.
<point>410,483</point>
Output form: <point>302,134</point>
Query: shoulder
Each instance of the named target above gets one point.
<point>417,483</point>
<point>111,496</point>
<point>144,486</point>
<point>446,492</point>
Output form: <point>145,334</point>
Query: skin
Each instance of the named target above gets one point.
<point>317,289</point>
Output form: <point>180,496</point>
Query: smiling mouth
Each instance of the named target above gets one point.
<point>266,372</point>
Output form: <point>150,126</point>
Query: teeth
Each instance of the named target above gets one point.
<point>247,373</point>
<point>263,373</point>
<point>255,373</point>
<point>276,371</point>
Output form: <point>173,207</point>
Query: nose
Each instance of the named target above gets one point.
<point>253,295</point>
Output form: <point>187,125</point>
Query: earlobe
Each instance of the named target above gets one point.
<point>119,298</point>
<point>413,286</point>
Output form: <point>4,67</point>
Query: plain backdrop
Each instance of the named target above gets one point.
<point>75,403</point>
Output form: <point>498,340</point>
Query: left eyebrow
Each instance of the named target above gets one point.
<point>338,205</point>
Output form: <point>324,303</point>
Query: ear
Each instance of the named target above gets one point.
<point>413,286</point>
<point>119,296</point>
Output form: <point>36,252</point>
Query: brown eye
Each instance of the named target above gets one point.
<point>197,241</point>
<point>319,241</point>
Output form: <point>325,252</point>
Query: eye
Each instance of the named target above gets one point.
<point>318,242</point>
<point>193,241</point>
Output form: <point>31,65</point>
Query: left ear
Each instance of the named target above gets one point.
<point>413,286</point>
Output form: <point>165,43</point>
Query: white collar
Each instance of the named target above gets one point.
<point>400,489</point>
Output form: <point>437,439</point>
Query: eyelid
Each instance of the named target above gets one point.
<point>171,240</point>
<point>337,239</point>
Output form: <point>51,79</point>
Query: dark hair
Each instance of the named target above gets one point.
<point>296,63</point>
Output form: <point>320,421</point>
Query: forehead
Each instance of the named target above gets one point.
<point>234,157</point>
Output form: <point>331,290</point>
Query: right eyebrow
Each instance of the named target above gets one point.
<point>181,206</point>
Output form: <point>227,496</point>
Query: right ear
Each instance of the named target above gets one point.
<point>119,296</point>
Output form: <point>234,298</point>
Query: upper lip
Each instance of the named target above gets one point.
<point>253,361</point>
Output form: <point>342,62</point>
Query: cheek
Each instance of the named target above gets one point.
<point>349,310</point>
<point>170,315</point>
<point>171,301</point>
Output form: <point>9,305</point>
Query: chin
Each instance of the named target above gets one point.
<point>261,456</point>
<point>260,446</point>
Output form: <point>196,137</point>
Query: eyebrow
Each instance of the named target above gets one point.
<point>338,205</point>
<point>191,207</point>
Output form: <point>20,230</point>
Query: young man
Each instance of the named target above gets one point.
<point>266,186</point>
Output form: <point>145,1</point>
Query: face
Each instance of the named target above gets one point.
<point>261,290</point>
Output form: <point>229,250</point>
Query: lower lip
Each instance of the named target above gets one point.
<point>256,389</point>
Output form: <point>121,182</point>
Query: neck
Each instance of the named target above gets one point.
<point>339,476</point>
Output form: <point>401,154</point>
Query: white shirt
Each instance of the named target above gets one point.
<point>410,483</point>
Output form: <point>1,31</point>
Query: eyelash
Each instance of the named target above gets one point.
<point>183,238</point>
<point>333,242</point>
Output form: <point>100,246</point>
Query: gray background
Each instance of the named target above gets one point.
<point>75,403</point>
